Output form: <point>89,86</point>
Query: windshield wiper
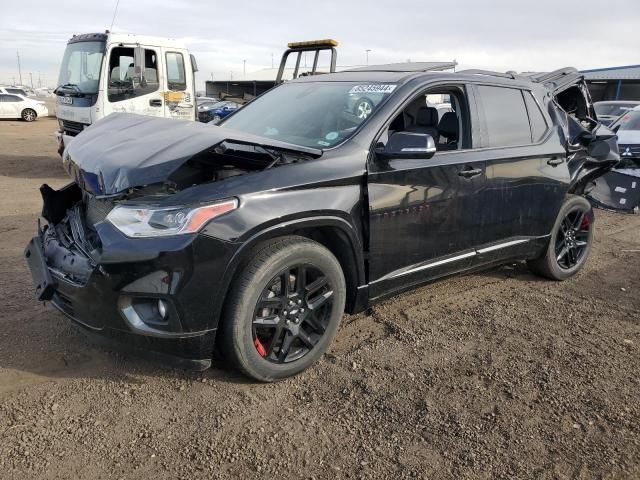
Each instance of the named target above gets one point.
<point>72,85</point>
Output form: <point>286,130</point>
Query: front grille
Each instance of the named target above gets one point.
<point>97,209</point>
<point>629,151</point>
<point>72,128</point>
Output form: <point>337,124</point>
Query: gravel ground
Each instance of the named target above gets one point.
<point>498,374</point>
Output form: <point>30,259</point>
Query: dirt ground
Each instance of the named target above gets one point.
<point>492,375</point>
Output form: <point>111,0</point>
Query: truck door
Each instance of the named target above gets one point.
<point>133,80</point>
<point>178,84</point>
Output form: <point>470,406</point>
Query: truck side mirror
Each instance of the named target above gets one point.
<point>408,145</point>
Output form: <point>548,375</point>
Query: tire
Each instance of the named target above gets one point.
<point>29,115</point>
<point>363,108</point>
<point>570,241</point>
<point>272,329</point>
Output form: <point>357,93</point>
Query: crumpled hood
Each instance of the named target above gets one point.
<point>125,150</point>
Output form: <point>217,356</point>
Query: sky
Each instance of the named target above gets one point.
<point>501,35</point>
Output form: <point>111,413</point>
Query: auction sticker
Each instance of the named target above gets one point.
<point>374,88</point>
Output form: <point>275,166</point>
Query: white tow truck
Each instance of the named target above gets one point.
<point>102,73</point>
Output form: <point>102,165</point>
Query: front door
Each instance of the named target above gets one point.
<point>423,213</point>
<point>133,80</point>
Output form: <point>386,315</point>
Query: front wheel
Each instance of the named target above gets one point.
<point>570,241</point>
<point>29,115</point>
<point>283,309</point>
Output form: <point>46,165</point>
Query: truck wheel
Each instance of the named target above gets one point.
<point>29,115</point>
<point>570,241</point>
<point>283,309</point>
<point>363,108</point>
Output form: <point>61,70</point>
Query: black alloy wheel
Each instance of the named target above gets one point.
<point>283,308</point>
<point>572,239</point>
<point>569,243</point>
<point>292,314</point>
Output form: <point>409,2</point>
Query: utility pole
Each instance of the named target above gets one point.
<point>19,68</point>
<point>244,68</point>
<point>31,77</point>
<point>367,52</point>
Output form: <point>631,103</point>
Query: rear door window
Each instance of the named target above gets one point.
<point>538,123</point>
<point>176,78</point>
<point>506,123</point>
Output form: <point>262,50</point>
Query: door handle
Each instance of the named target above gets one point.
<point>155,103</point>
<point>554,162</point>
<point>470,173</point>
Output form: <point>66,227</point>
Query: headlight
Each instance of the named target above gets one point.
<point>137,221</point>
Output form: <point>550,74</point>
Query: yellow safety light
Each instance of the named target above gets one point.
<point>314,43</point>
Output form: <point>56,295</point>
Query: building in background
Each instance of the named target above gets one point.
<point>614,83</point>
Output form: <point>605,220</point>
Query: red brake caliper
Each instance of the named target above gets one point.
<point>585,223</point>
<point>260,348</point>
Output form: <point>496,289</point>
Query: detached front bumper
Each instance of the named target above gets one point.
<point>154,295</point>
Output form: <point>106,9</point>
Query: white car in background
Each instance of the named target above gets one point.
<point>14,91</point>
<point>17,106</point>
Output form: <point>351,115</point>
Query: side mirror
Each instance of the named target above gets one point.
<point>409,145</point>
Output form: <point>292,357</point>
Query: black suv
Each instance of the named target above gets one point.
<point>259,233</point>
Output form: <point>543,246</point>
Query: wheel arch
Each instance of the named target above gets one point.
<point>334,233</point>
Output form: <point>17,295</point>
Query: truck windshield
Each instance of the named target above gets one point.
<point>81,64</point>
<point>311,114</point>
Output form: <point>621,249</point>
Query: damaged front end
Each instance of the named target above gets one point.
<point>120,243</point>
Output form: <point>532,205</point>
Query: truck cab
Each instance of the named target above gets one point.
<point>102,73</point>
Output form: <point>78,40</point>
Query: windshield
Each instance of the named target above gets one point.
<point>629,121</point>
<point>311,114</point>
<point>613,109</point>
<point>81,64</point>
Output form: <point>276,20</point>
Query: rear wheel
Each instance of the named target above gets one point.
<point>283,310</point>
<point>29,115</point>
<point>570,241</point>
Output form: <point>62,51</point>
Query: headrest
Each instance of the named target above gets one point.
<point>448,125</point>
<point>427,116</point>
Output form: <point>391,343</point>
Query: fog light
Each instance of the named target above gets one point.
<point>162,308</point>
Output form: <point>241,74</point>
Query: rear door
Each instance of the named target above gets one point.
<point>526,175</point>
<point>178,85</point>
<point>12,106</point>
<point>3,106</point>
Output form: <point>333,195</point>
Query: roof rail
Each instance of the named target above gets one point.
<point>510,74</point>
<point>409,67</point>
<point>546,76</point>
